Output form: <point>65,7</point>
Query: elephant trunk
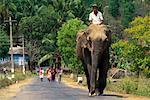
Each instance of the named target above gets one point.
<point>95,57</point>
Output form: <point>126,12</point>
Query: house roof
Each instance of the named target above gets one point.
<point>18,50</point>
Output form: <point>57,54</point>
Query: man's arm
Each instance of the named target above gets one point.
<point>90,19</point>
<point>101,16</point>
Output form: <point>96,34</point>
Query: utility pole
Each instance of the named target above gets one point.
<point>23,67</point>
<point>11,44</point>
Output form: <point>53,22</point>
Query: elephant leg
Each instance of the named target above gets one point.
<point>87,65</point>
<point>102,79</point>
<point>103,69</point>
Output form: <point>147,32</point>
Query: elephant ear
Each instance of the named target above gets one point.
<point>108,34</point>
<point>80,34</point>
<point>79,44</point>
<point>87,34</point>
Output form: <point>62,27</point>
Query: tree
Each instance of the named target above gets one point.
<point>32,28</point>
<point>40,29</point>
<point>7,8</point>
<point>133,51</point>
<point>67,41</point>
<point>139,31</point>
<point>128,12</point>
<point>114,7</point>
<point>142,7</point>
<point>4,43</point>
<point>48,49</point>
<point>125,51</point>
<point>139,34</point>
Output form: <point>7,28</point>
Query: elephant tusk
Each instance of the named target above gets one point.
<point>90,49</point>
<point>88,38</point>
<point>84,46</point>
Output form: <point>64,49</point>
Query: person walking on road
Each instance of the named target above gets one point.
<point>53,73</point>
<point>48,74</point>
<point>59,71</point>
<point>41,74</point>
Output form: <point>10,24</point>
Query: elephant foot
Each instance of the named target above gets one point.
<point>91,94</point>
<point>98,93</point>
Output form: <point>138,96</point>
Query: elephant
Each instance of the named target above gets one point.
<point>92,49</point>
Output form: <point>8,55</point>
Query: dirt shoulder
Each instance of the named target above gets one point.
<point>71,83</point>
<point>11,91</point>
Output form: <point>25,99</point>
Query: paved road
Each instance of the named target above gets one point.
<point>54,91</point>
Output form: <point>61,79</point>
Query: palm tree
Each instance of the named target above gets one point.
<point>7,8</point>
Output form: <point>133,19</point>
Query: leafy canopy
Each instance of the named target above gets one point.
<point>134,51</point>
<point>4,43</point>
<point>114,7</point>
<point>140,30</point>
<point>67,41</point>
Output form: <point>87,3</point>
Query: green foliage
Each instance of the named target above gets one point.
<point>145,66</point>
<point>41,25</point>
<point>40,21</point>
<point>37,30</point>
<point>133,53</point>
<point>129,85</point>
<point>67,41</point>
<point>143,87</point>
<point>139,31</point>
<point>114,7</point>
<point>44,58</point>
<point>139,34</point>
<point>4,43</point>
<point>125,52</point>
<point>5,82</point>
<point>18,77</point>
<point>128,12</point>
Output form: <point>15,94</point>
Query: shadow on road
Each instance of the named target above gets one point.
<point>113,95</point>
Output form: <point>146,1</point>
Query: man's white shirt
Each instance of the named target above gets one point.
<point>96,19</point>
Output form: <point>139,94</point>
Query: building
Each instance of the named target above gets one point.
<point>17,55</point>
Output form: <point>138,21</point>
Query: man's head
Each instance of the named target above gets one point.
<point>95,7</point>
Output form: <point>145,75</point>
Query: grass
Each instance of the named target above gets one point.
<point>130,85</point>
<point>1,76</point>
<point>4,82</point>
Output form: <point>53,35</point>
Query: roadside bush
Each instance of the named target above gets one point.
<point>132,52</point>
<point>129,85</point>
<point>143,87</point>
<point>145,66</point>
<point>5,82</point>
<point>18,76</point>
<point>144,91</point>
<point>114,86</point>
<point>126,54</point>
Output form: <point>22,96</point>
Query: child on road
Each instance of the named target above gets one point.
<point>41,74</point>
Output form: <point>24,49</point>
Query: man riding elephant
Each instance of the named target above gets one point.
<point>95,16</point>
<point>93,50</point>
